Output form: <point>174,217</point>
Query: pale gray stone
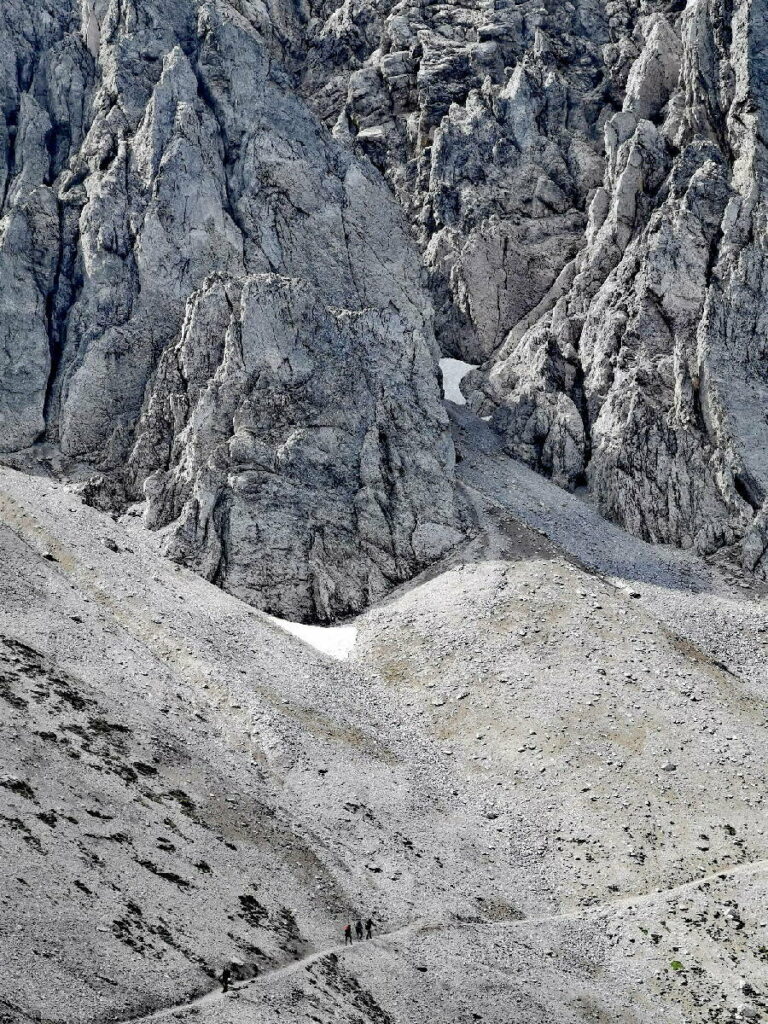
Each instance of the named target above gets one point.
<point>584,185</point>
<point>190,177</point>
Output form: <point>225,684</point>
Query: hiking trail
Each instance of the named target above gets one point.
<point>573,915</point>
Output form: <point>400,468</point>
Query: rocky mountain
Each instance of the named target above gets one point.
<point>180,235</point>
<point>200,212</point>
<point>541,770</point>
<point>587,183</point>
<point>324,309</point>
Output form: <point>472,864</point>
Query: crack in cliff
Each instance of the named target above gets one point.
<point>11,124</point>
<point>60,299</point>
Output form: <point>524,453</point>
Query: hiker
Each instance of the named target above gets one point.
<point>348,935</point>
<point>368,928</point>
<point>359,931</point>
<point>226,974</point>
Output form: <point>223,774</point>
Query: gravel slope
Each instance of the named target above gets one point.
<point>547,791</point>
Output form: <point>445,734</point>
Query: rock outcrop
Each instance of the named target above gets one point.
<point>633,379</point>
<point>587,181</point>
<point>286,455</point>
<point>211,297</point>
<point>205,294</point>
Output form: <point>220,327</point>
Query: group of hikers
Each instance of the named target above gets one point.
<point>358,931</point>
<point>226,975</point>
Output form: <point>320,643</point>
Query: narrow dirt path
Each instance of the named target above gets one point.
<point>583,913</point>
<point>626,902</point>
<point>295,965</point>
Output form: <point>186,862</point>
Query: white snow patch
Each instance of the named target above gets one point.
<point>454,371</point>
<point>335,641</point>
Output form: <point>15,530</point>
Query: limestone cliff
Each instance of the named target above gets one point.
<point>231,232</point>
<point>588,183</point>
<point>214,304</point>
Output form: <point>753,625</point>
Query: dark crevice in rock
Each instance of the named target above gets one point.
<point>749,489</point>
<point>580,400</point>
<point>698,410</point>
<point>55,325</point>
<point>66,287</point>
<point>58,141</point>
<point>12,128</point>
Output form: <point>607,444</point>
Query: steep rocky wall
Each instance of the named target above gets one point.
<point>587,181</point>
<point>159,169</point>
<point>581,193</point>
<point>634,379</point>
<point>487,120</point>
<point>292,475</point>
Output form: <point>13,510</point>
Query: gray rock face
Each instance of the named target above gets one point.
<point>293,477</point>
<point>485,118</point>
<point>588,184</point>
<point>213,303</point>
<point>634,376</point>
<point>585,187</point>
